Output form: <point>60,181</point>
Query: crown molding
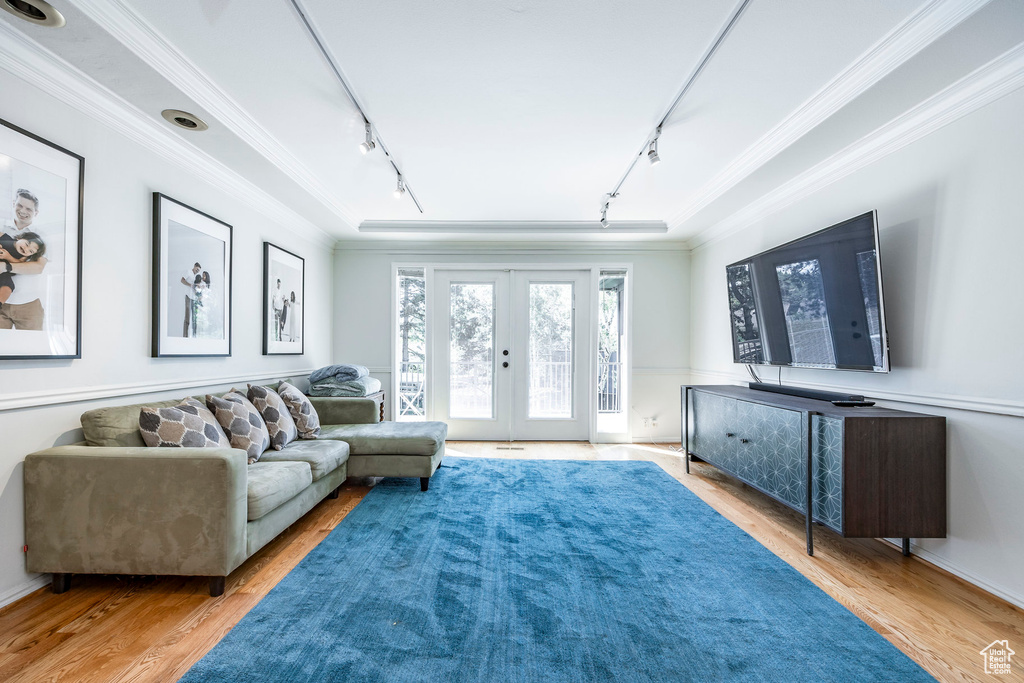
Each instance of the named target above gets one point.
<point>44,70</point>
<point>998,78</point>
<point>420,249</point>
<point>513,227</point>
<point>970,403</point>
<point>49,397</point>
<point>916,32</point>
<point>149,45</point>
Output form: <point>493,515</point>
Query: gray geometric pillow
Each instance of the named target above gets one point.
<point>242,423</point>
<point>306,419</point>
<point>275,413</point>
<point>186,425</point>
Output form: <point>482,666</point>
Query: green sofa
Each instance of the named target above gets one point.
<point>112,505</point>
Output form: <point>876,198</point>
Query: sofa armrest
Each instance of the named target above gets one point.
<point>135,510</point>
<point>333,410</point>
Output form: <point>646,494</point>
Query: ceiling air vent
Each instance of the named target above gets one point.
<point>181,119</point>
<point>38,12</point>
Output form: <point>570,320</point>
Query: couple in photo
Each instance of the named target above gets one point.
<point>22,260</point>
<point>197,302</point>
<point>286,314</point>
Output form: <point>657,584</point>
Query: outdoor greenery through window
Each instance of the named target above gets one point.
<point>611,351</point>
<point>412,344</point>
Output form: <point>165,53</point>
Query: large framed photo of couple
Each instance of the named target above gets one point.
<point>41,198</point>
<point>284,283</point>
<point>191,281</point>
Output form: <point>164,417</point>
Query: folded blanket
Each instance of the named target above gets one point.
<point>343,372</point>
<point>363,386</point>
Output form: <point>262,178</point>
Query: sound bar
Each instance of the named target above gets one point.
<point>806,393</point>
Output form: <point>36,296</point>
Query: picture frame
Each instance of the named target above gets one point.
<point>42,207</point>
<point>192,256</point>
<point>284,298</point>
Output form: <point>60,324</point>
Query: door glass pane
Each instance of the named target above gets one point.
<point>471,376</point>
<point>551,350</point>
<point>412,345</point>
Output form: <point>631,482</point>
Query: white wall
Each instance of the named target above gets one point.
<point>119,179</point>
<point>952,237</point>
<point>363,310</point>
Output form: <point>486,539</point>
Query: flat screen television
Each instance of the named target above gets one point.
<point>815,302</point>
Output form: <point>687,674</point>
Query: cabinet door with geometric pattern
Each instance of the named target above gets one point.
<point>714,419</point>
<point>827,457</point>
<point>772,446</point>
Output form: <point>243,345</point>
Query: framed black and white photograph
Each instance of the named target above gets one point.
<point>41,201</point>
<point>284,282</point>
<point>191,281</point>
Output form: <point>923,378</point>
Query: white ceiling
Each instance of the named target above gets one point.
<point>517,110</point>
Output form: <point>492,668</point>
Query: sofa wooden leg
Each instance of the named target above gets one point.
<point>61,583</point>
<point>424,483</point>
<point>217,586</point>
<point>335,493</point>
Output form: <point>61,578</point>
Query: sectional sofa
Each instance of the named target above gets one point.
<point>112,505</point>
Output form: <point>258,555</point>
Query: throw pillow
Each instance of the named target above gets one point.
<point>242,423</point>
<point>275,413</point>
<point>186,425</point>
<point>302,411</point>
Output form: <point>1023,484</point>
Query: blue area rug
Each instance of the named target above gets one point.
<point>527,570</point>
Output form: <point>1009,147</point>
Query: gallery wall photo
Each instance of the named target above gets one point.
<point>284,282</point>
<point>41,211</point>
<point>191,281</point>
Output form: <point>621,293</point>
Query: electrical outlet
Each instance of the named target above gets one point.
<point>647,422</point>
<point>654,422</point>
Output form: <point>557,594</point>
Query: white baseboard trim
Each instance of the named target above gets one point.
<point>59,396</point>
<point>971,403</point>
<point>1010,596</point>
<point>18,592</point>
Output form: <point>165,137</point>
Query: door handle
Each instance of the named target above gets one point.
<point>505,364</point>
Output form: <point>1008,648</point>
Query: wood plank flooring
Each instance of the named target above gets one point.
<point>153,629</point>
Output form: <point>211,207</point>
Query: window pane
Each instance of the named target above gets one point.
<point>551,350</point>
<point>611,305</point>
<point>412,348</point>
<point>803,300</point>
<point>471,376</point>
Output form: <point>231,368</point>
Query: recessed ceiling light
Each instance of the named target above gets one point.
<point>38,12</point>
<point>182,119</point>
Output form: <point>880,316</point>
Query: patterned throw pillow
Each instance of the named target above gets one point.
<point>186,425</point>
<point>306,419</point>
<point>242,423</point>
<point>275,413</point>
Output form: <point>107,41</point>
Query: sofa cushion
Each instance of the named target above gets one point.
<point>117,425</point>
<point>241,422</point>
<point>275,414</point>
<point>389,438</point>
<point>272,484</point>
<point>188,424</point>
<point>323,457</point>
<point>306,419</point>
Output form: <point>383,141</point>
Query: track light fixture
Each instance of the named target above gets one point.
<point>652,150</point>
<point>400,189</point>
<point>367,145</point>
<point>604,215</point>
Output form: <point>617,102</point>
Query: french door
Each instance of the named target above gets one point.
<point>513,356</point>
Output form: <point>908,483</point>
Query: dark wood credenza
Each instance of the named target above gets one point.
<point>875,472</point>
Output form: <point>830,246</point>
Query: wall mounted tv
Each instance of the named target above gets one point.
<point>815,302</point>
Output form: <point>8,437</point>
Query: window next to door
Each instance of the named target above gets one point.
<point>611,353</point>
<point>411,345</point>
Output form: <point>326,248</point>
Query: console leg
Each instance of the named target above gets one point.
<point>906,547</point>
<point>334,494</point>
<point>61,583</point>
<point>217,586</point>
<point>424,483</point>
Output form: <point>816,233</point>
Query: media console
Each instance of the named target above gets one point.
<point>874,472</point>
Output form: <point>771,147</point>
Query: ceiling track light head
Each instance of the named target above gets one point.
<point>652,153</point>
<point>368,144</point>
<point>400,188</point>
<point>604,216</point>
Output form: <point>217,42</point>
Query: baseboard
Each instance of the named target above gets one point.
<point>18,592</point>
<point>1011,597</point>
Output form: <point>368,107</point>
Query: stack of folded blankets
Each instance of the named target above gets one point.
<point>342,380</point>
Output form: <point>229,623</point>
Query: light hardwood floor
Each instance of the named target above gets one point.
<point>154,629</point>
